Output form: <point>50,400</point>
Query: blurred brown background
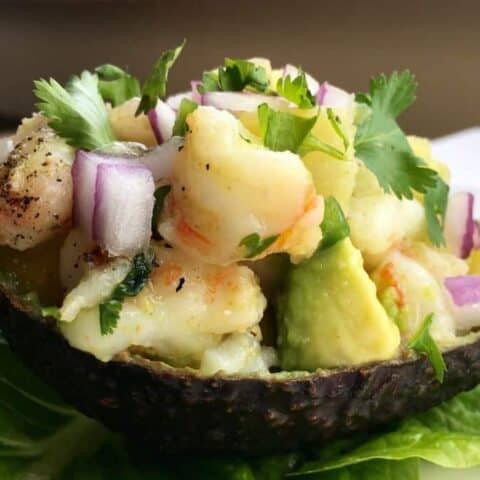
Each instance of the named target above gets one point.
<point>343,41</point>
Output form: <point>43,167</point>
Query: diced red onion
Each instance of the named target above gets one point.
<point>162,119</point>
<point>84,174</point>
<point>459,224</point>
<point>174,101</point>
<point>334,97</point>
<point>124,199</point>
<point>476,235</point>
<point>196,95</point>
<point>293,71</point>
<point>465,295</point>
<point>241,102</point>
<point>160,160</point>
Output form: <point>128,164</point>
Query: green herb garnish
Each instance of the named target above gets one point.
<point>53,312</point>
<point>282,131</point>
<point>235,76</point>
<point>313,144</point>
<point>296,90</point>
<point>334,225</point>
<point>116,86</point>
<point>186,108</point>
<point>160,195</point>
<point>255,245</point>
<point>436,200</point>
<point>131,286</point>
<point>384,149</point>
<point>155,85</point>
<point>381,144</point>
<point>336,125</point>
<point>423,343</point>
<point>76,113</point>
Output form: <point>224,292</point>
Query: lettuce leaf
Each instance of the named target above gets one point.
<point>448,435</point>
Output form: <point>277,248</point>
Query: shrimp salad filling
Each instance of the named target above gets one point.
<point>260,221</point>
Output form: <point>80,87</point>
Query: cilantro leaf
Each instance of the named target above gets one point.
<point>160,195</point>
<point>335,122</point>
<point>334,225</point>
<point>116,86</point>
<point>180,127</point>
<point>282,131</point>
<point>78,113</point>
<point>156,84</point>
<point>53,312</point>
<point>238,74</point>
<point>296,90</point>
<point>255,245</point>
<point>423,343</point>
<point>313,144</point>
<point>131,286</point>
<point>381,144</point>
<point>435,202</point>
<point>209,83</point>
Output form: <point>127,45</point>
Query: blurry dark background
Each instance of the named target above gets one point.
<point>343,41</point>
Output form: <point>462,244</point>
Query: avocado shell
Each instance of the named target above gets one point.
<point>179,411</point>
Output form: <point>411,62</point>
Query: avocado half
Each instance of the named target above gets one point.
<point>179,411</point>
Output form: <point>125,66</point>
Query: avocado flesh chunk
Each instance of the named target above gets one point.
<point>329,315</point>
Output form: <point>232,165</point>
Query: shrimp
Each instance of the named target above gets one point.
<point>186,308</point>
<point>35,186</point>
<point>225,187</point>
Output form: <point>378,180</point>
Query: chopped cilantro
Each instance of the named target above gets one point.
<point>53,312</point>
<point>384,149</point>
<point>156,84</point>
<point>335,122</point>
<point>78,113</point>
<point>435,201</point>
<point>160,194</point>
<point>116,86</point>
<point>313,144</point>
<point>238,74</point>
<point>423,343</point>
<point>334,225</point>
<point>131,286</point>
<point>296,90</point>
<point>180,127</point>
<point>254,245</point>
<point>282,131</point>
<point>235,76</point>
<point>209,83</point>
<point>381,144</point>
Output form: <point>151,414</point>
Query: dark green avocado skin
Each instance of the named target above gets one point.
<point>185,413</point>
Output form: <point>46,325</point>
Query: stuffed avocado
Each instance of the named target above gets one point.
<point>255,265</point>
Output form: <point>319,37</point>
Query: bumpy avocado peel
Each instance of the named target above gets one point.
<point>179,411</point>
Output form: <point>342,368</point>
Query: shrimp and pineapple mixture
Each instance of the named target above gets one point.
<point>252,162</point>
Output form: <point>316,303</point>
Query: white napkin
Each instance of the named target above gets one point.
<point>461,152</point>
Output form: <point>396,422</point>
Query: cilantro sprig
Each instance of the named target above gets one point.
<point>334,225</point>
<point>255,245</point>
<point>76,113</point>
<point>131,286</point>
<point>296,90</point>
<point>423,343</point>
<point>235,76</point>
<point>116,85</point>
<point>384,149</point>
<point>282,131</point>
<point>155,85</point>
<point>180,127</point>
